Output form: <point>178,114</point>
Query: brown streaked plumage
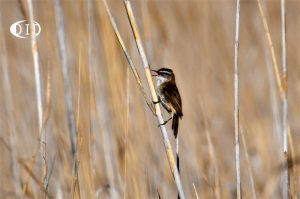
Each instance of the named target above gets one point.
<point>169,95</point>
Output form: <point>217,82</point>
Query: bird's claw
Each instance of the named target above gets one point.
<point>162,124</point>
<point>165,122</point>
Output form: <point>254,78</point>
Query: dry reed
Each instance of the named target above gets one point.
<point>236,101</point>
<point>286,180</point>
<point>160,119</point>
<point>118,154</point>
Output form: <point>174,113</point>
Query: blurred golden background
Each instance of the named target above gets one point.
<point>119,150</point>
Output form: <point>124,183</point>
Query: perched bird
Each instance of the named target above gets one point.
<point>168,96</point>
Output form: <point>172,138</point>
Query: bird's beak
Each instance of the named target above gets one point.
<point>154,72</point>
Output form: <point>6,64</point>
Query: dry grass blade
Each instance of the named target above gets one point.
<point>282,86</point>
<point>248,164</point>
<point>195,190</point>
<point>129,60</point>
<point>36,64</point>
<point>236,102</point>
<point>64,65</point>
<point>120,151</point>
<point>35,178</point>
<point>38,85</point>
<point>75,189</point>
<point>275,65</point>
<point>46,118</point>
<point>286,181</point>
<point>42,131</point>
<point>83,153</point>
<point>167,144</point>
<point>271,46</point>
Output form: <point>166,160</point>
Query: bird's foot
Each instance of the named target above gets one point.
<point>156,102</point>
<point>165,122</point>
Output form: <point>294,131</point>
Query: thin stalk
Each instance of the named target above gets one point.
<point>248,165</point>
<point>35,56</point>
<point>59,19</point>
<point>75,188</point>
<point>35,178</point>
<point>195,190</point>
<point>271,46</point>
<point>286,181</point>
<point>160,119</point>
<point>83,118</point>
<point>45,120</point>
<point>42,131</point>
<point>284,73</point>
<point>75,180</point>
<point>236,102</point>
<point>282,86</point>
<point>128,57</point>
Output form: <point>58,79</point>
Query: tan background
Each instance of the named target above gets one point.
<point>121,150</point>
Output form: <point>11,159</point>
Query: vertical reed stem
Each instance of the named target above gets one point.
<point>286,183</point>
<point>160,119</point>
<point>128,57</point>
<point>35,56</point>
<point>236,102</point>
<point>59,19</point>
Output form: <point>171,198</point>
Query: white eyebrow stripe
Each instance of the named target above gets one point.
<point>166,72</point>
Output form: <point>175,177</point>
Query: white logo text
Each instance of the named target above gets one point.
<point>21,29</point>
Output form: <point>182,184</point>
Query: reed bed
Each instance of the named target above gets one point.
<point>75,119</point>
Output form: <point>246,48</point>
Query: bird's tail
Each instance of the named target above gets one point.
<point>175,123</point>
<point>177,155</point>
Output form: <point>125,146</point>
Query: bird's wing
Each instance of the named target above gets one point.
<point>171,94</point>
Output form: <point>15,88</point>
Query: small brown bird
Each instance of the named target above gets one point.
<point>169,96</point>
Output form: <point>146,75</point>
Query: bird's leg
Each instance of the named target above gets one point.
<point>153,106</point>
<point>165,122</point>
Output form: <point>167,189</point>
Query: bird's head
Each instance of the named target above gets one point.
<point>163,75</point>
